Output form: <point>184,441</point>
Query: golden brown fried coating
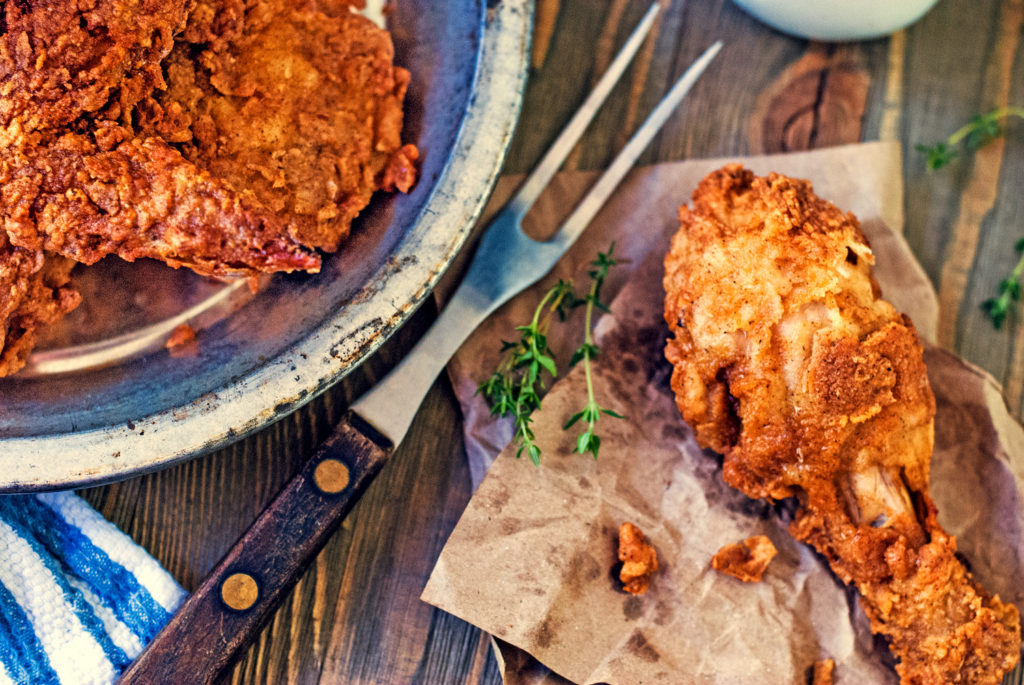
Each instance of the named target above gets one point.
<point>788,362</point>
<point>77,180</point>
<point>257,139</point>
<point>33,294</point>
<point>745,560</point>
<point>297,105</point>
<point>639,559</point>
<point>60,60</point>
<point>139,198</point>
<point>60,63</point>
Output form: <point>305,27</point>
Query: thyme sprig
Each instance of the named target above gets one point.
<point>589,441</point>
<point>978,132</point>
<point>997,308</point>
<point>975,134</point>
<point>514,387</point>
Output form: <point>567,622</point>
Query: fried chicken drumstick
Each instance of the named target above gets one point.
<point>787,362</point>
<point>231,137</point>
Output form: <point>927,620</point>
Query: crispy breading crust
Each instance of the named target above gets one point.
<point>140,198</point>
<point>60,60</point>
<point>256,141</point>
<point>745,560</point>
<point>33,294</point>
<point>788,363</point>
<point>77,180</point>
<point>297,105</point>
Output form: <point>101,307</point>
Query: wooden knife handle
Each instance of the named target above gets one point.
<point>233,603</point>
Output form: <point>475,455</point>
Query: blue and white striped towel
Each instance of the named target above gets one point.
<point>78,599</point>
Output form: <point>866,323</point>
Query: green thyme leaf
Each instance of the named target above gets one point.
<point>1010,290</point>
<point>977,133</point>
<point>513,389</point>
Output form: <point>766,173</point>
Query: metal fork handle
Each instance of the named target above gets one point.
<point>391,404</point>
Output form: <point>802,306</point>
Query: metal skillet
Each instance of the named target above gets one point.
<point>116,404</point>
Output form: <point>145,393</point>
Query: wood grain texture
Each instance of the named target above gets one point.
<point>817,101</point>
<point>355,615</point>
<point>545,19</point>
<point>979,194</point>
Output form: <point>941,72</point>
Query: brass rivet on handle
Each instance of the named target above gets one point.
<point>331,476</point>
<point>239,591</point>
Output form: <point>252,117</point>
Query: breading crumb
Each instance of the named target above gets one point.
<point>639,559</point>
<point>182,342</point>
<point>823,672</point>
<point>745,560</point>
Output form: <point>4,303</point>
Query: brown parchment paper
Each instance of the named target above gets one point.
<point>531,559</point>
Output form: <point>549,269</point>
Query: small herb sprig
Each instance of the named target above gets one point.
<point>1009,292</point>
<point>514,388</point>
<point>589,441</point>
<point>975,134</point>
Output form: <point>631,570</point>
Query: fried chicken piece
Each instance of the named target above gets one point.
<point>787,361</point>
<point>60,60</point>
<point>745,560</point>
<point>138,198</point>
<point>33,294</point>
<point>288,114</point>
<point>639,559</point>
<point>77,180</point>
<point>295,104</point>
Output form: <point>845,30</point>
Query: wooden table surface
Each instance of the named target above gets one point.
<point>356,614</point>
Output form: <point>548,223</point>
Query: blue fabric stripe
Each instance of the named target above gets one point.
<point>22,514</point>
<point>20,650</point>
<point>116,587</point>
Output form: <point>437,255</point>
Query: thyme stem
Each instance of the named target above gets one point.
<point>512,390</point>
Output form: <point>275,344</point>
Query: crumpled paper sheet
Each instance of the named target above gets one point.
<point>531,561</point>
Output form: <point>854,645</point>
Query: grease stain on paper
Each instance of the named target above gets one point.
<point>640,647</point>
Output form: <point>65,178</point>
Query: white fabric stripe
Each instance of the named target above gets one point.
<point>118,546</point>
<point>75,656</point>
<point>5,677</point>
<point>119,633</point>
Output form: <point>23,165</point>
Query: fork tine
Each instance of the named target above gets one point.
<point>504,241</point>
<point>506,261</point>
<point>595,198</point>
<point>560,149</point>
